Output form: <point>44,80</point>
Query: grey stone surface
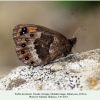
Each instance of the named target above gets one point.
<point>74,72</point>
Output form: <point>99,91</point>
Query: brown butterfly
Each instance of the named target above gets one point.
<point>37,45</point>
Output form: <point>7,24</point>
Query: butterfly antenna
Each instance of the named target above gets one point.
<point>76,31</point>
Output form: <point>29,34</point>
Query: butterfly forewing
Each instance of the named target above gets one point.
<point>37,45</point>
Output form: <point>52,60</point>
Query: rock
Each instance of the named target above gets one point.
<point>74,72</point>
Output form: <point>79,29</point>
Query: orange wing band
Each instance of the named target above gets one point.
<point>31,29</point>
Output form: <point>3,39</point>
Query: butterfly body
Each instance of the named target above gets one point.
<point>37,45</point>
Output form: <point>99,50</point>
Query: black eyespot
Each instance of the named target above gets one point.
<point>27,39</point>
<point>21,33</point>
<point>24,31</point>
<point>23,44</point>
<point>32,62</point>
<point>22,52</point>
<point>26,58</point>
<point>31,35</point>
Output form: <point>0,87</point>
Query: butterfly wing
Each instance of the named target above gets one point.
<point>38,45</point>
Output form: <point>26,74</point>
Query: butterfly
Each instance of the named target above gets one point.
<point>37,45</point>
